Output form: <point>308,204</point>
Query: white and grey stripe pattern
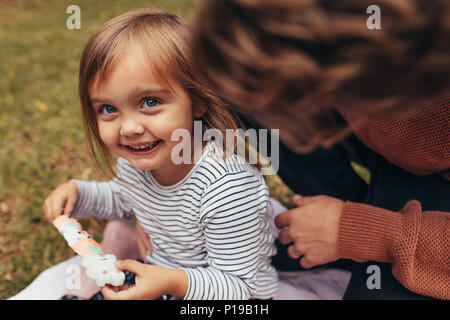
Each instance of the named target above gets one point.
<point>213,223</point>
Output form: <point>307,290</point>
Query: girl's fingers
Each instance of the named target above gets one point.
<point>50,212</point>
<point>62,200</point>
<point>70,205</point>
<point>115,293</point>
<point>148,244</point>
<point>109,293</point>
<point>46,211</point>
<point>141,249</point>
<point>130,265</point>
<point>124,287</point>
<point>57,208</point>
<point>143,240</point>
<point>54,207</point>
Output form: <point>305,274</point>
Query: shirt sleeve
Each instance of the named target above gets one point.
<point>233,217</point>
<point>102,200</point>
<point>415,242</point>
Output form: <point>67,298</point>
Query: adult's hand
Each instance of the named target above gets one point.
<point>312,228</point>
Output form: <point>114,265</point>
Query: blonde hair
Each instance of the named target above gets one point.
<point>165,40</point>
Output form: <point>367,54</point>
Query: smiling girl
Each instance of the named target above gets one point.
<point>207,219</point>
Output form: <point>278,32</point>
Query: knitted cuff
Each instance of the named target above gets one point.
<point>367,232</point>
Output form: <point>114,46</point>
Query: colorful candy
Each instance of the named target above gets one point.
<point>99,266</point>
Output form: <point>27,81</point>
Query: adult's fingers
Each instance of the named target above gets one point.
<point>283,219</point>
<point>301,201</point>
<point>285,237</point>
<point>293,252</point>
<point>306,263</point>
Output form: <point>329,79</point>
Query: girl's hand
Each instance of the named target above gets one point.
<point>313,228</point>
<point>143,242</point>
<point>61,201</point>
<point>151,282</point>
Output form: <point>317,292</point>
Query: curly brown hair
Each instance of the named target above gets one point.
<point>288,63</point>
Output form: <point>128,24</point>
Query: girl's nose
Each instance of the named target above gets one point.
<point>131,128</point>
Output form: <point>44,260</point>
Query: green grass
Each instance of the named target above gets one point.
<point>41,136</point>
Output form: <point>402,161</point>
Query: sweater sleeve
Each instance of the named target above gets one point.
<point>102,200</point>
<point>233,218</point>
<point>415,242</point>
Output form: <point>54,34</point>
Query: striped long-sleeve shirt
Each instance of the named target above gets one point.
<point>213,223</point>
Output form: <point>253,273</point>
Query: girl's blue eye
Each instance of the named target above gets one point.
<point>150,102</point>
<point>107,109</point>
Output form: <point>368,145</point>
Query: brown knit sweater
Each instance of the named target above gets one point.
<point>415,242</point>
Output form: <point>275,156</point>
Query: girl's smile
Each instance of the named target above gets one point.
<point>143,149</point>
<point>136,116</point>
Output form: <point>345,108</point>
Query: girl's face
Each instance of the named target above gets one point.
<point>136,116</point>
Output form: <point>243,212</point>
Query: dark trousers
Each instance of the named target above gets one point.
<point>328,172</point>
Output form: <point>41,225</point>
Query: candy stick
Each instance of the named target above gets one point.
<point>99,266</point>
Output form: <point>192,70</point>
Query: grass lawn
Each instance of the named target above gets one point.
<point>42,142</point>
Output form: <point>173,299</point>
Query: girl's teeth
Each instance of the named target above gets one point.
<point>145,146</point>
